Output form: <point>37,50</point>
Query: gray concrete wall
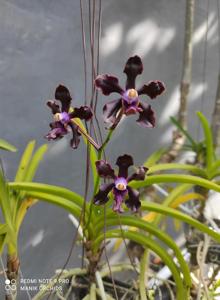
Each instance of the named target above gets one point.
<point>40,46</point>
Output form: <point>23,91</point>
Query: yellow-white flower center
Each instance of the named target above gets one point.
<point>57,117</point>
<point>120,186</point>
<point>132,93</point>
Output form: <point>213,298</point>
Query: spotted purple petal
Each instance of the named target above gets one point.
<point>104,169</point>
<point>53,106</point>
<point>111,109</point>
<point>102,196</point>
<point>133,67</point>
<point>83,113</point>
<point>133,201</point>
<point>74,142</point>
<point>119,198</point>
<point>152,89</point>
<point>147,116</point>
<point>139,174</point>
<point>124,162</point>
<point>63,95</point>
<point>108,84</point>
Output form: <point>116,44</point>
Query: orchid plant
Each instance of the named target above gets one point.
<point>118,201</point>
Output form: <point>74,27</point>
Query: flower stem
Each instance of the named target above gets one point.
<point>102,148</point>
<point>100,151</point>
<point>89,138</point>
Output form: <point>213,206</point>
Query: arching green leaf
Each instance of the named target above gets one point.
<point>153,230</point>
<point>4,145</point>
<point>181,290</point>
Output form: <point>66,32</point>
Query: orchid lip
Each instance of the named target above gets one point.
<point>130,97</point>
<point>62,117</point>
<point>121,184</point>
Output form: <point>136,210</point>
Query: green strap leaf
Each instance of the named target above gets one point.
<point>180,216</point>
<point>34,163</point>
<point>176,192</point>
<point>48,189</point>
<point>66,204</point>
<point>57,200</point>
<point>176,178</point>
<point>24,162</point>
<point>156,232</point>
<point>26,171</point>
<point>3,228</point>
<point>3,236</point>
<point>3,240</point>
<point>177,166</point>
<point>4,197</point>
<point>181,290</point>
<point>208,140</point>
<point>4,145</point>
<point>185,132</point>
<point>154,157</point>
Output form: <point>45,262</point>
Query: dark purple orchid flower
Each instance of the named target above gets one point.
<point>129,102</point>
<point>120,184</point>
<point>63,116</point>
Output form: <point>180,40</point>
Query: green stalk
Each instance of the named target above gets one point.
<point>100,152</point>
<point>208,141</point>
<point>12,248</point>
<point>96,185</point>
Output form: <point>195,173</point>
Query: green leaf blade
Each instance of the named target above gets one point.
<point>208,140</point>
<point>182,290</point>
<point>24,162</point>
<point>4,145</point>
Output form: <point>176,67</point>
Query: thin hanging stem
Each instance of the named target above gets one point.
<point>84,51</point>
<point>97,70</point>
<point>92,9</point>
<point>98,49</point>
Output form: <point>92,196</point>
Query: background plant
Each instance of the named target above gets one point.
<point>14,205</point>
